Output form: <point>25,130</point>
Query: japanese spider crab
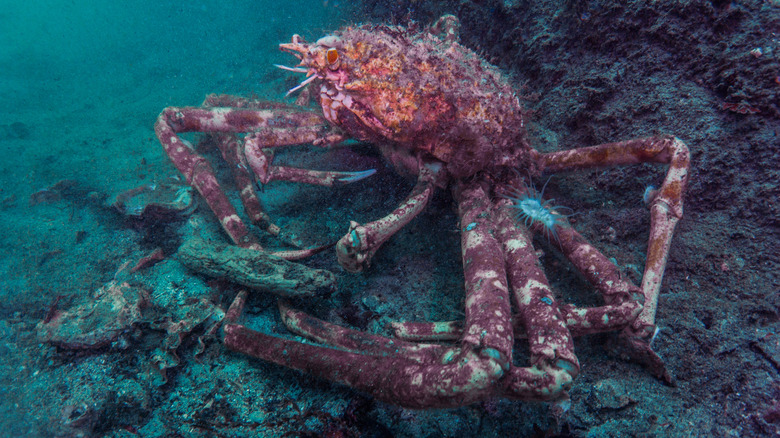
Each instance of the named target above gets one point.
<point>437,111</point>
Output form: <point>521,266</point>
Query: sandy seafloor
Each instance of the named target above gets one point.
<point>82,86</point>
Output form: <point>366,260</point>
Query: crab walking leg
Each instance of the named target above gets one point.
<point>579,321</point>
<point>437,331</point>
<point>357,247</point>
<point>199,173</point>
<point>196,170</point>
<point>553,363</point>
<point>236,308</point>
<point>232,151</point>
<point>597,269</point>
<point>460,377</point>
<point>487,305</point>
<point>329,134</point>
<point>457,376</point>
<point>343,338</point>
<point>665,211</point>
<point>623,298</point>
<point>233,101</point>
<point>259,158</point>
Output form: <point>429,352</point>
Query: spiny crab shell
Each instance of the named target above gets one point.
<point>421,91</point>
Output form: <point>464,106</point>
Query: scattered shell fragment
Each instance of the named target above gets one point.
<point>116,308</point>
<point>256,269</point>
<point>157,201</point>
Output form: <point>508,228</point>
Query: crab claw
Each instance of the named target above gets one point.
<point>355,250</point>
<point>357,247</point>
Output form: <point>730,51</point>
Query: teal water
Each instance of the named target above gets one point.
<point>101,73</point>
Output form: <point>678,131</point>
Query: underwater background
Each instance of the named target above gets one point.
<point>82,84</point>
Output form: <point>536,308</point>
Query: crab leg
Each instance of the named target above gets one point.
<point>429,331</point>
<point>553,363</point>
<point>579,321</point>
<point>431,376</point>
<point>231,101</point>
<point>603,274</point>
<point>666,210</point>
<point>407,375</point>
<point>232,153</point>
<point>259,158</point>
<point>461,377</point>
<point>357,247</point>
<point>324,332</point>
<point>487,304</point>
<point>196,169</point>
<point>288,123</point>
<point>623,298</point>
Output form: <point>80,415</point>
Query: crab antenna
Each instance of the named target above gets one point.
<point>295,69</point>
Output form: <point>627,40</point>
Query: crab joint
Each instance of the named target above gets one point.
<point>353,235</point>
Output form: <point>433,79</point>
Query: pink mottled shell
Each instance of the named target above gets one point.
<point>433,96</point>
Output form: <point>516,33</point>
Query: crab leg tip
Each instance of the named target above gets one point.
<point>348,177</point>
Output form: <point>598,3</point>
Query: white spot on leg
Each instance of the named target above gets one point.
<point>473,240</point>
<point>498,284</point>
<point>227,220</point>
<point>219,119</point>
<point>515,244</point>
<point>525,295</point>
<point>487,274</point>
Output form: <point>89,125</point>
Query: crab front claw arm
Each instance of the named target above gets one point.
<point>357,247</point>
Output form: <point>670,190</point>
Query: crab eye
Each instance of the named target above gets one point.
<point>332,55</point>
